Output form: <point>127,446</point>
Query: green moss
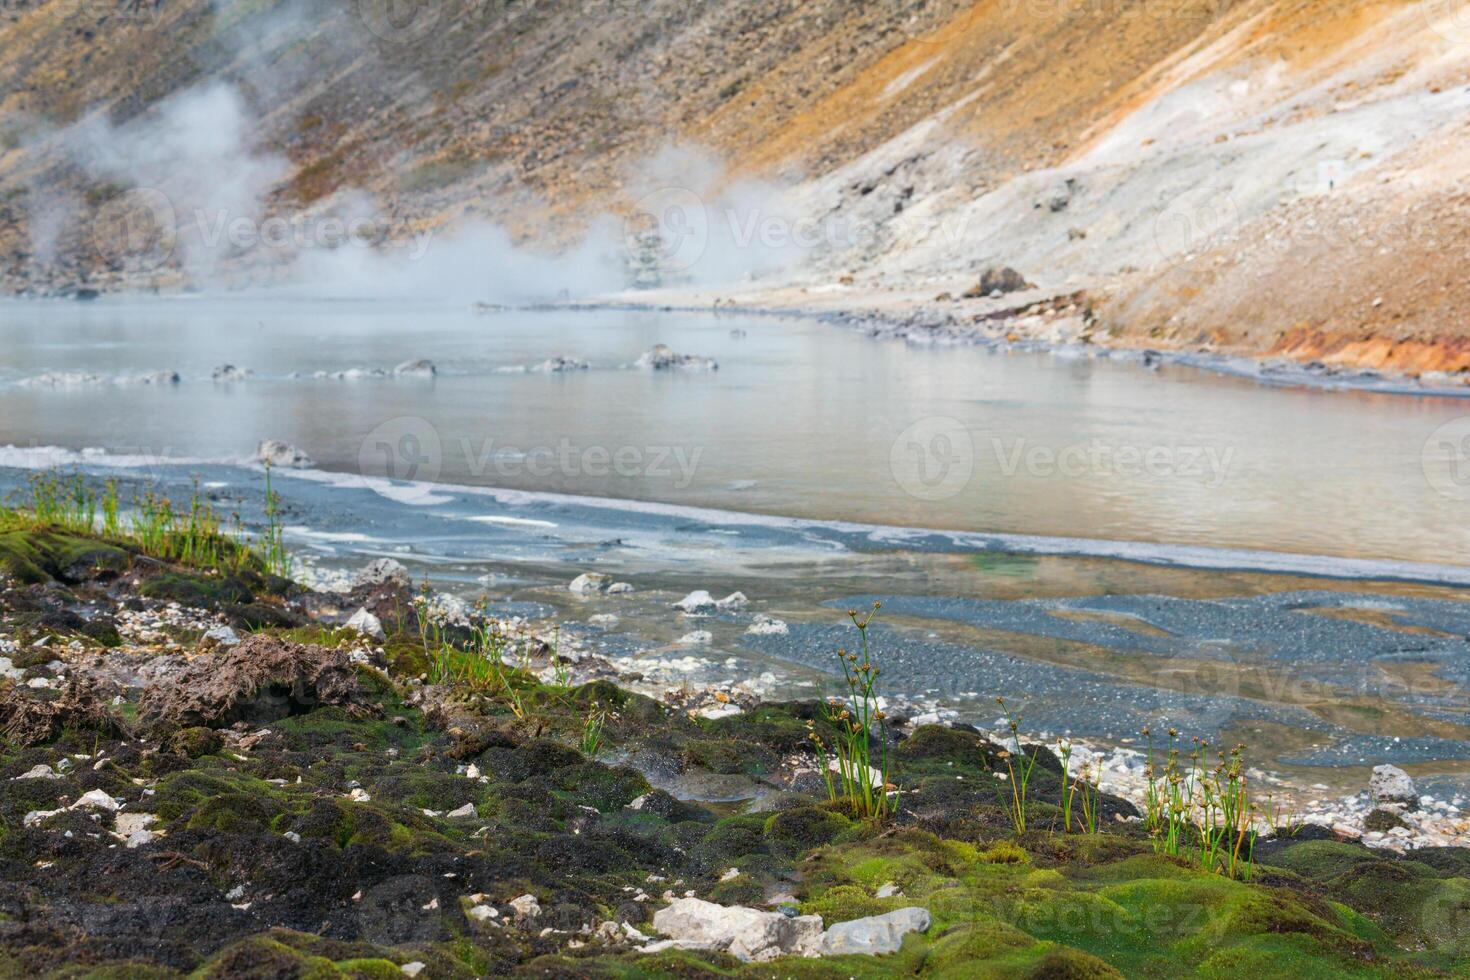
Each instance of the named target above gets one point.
<point>196,742</point>
<point>31,556</point>
<point>792,832</point>
<point>207,591</point>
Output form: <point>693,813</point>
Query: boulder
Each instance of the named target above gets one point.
<point>620,588</point>
<point>283,455</point>
<point>420,368</point>
<point>998,279</point>
<point>382,571</point>
<point>734,602</point>
<point>747,934</point>
<point>875,935</point>
<point>1390,785</point>
<point>221,636</point>
<point>590,583</point>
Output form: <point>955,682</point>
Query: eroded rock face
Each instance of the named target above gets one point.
<point>747,934</point>
<point>27,720</point>
<point>875,935</point>
<point>262,680</point>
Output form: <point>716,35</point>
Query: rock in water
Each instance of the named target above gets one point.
<point>421,368</point>
<point>383,571</point>
<point>590,583</point>
<point>734,602</point>
<point>747,934</point>
<point>1391,785</point>
<point>283,455</point>
<point>663,358</point>
<point>698,601</point>
<point>557,365</point>
<point>228,372</point>
<point>874,935</point>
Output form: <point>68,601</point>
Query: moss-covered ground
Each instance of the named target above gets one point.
<point>321,844</point>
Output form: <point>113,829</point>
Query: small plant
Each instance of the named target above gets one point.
<point>847,766</point>
<point>272,544</point>
<point>592,727</point>
<point>1199,808</point>
<point>111,522</point>
<point>1091,799</point>
<point>1064,751</point>
<point>1019,772</point>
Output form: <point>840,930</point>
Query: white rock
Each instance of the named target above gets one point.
<point>730,875</point>
<point>38,772</point>
<point>1390,784</point>
<point>468,810</point>
<point>128,824</point>
<point>526,907</point>
<point>620,588</point>
<point>367,624</point>
<point>713,711</point>
<point>887,890</point>
<point>699,601</point>
<point>603,620</point>
<point>275,453</point>
<point>228,373</point>
<point>734,602</point>
<point>359,795</point>
<point>696,638</point>
<point>874,935</point>
<point>98,799</point>
<point>383,571</point>
<point>412,969</point>
<point>223,636</point>
<point>483,913</point>
<point>764,626</point>
<point>747,934</point>
<point>139,838</point>
<point>590,583</point>
<point>660,357</point>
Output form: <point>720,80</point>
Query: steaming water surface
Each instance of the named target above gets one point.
<point>801,419</point>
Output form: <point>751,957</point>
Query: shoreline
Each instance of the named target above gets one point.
<point>1016,329</point>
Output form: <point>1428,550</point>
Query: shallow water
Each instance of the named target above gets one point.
<point>801,419</point>
<point>1342,644</point>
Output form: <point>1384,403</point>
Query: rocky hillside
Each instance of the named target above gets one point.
<point>1268,176</point>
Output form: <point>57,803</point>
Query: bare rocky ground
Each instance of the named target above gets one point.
<point>207,774</point>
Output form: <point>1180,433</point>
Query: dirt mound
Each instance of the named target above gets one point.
<point>262,680</point>
<point>27,720</point>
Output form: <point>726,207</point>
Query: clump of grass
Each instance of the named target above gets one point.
<point>848,763</point>
<point>1201,807</point>
<point>1019,773</point>
<point>193,535</point>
